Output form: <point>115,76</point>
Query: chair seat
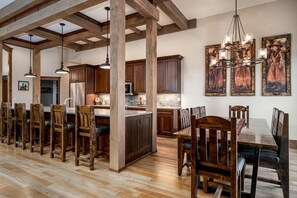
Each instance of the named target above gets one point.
<point>266,155</point>
<point>100,130</point>
<point>70,126</point>
<point>187,144</point>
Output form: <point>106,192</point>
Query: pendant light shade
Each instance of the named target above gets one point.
<point>30,73</point>
<point>106,65</point>
<point>61,70</point>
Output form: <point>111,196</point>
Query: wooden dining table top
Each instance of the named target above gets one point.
<point>258,135</point>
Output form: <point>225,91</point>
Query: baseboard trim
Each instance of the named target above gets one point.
<point>293,144</point>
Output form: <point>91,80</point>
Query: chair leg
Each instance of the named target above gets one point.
<point>77,150</point>
<point>15,135</point>
<point>92,145</point>
<point>8,134</point>
<point>63,145</point>
<point>31,139</point>
<point>41,140</point>
<point>24,136</point>
<point>52,143</point>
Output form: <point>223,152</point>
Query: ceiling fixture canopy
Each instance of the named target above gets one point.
<point>61,70</point>
<point>106,65</point>
<point>30,73</point>
<point>237,47</point>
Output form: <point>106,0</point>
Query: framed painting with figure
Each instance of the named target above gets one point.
<point>243,75</point>
<point>23,85</point>
<point>215,72</point>
<point>276,69</point>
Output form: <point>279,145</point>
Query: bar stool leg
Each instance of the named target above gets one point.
<point>31,139</point>
<point>92,144</point>
<point>63,145</point>
<point>52,143</point>
<point>77,149</point>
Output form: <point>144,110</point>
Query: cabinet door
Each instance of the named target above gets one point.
<point>167,123</point>
<point>161,73</point>
<point>139,77</point>
<point>171,78</point>
<point>77,75</point>
<point>102,81</point>
<point>129,72</point>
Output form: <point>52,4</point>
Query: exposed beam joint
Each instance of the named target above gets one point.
<point>18,42</point>
<point>16,8</point>
<point>159,27</point>
<point>170,9</point>
<point>44,33</point>
<point>136,30</point>
<point>55,11</point>
<point>145,8</point>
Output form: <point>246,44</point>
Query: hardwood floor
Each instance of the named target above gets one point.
<point>25,174</point>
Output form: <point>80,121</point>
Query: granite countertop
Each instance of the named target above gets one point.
<point>142,106</point>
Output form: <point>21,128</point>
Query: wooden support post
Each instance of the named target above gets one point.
<point>117,81</point>
<point>151,76</point>
<point>1,66</point>
<point>10,75</point>
<point>36,81</point>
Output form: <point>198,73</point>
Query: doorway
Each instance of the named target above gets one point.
<point>50,90</point>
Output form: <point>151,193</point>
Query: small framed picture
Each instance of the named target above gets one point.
<point>23,85</point>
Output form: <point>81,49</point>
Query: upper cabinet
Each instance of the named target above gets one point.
<point>83,73</point>
<point>168,74</point>
<point>102,80</point>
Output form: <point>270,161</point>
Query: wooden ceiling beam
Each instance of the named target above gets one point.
<point>19,42</point>
<point>136,30</point>
<point>159,27</point>
<point>145,8</point>
<point>166,29</point>
<point>16,8</point>
<point>85,22</point>
<point>50,44</point>
<point>170,9</point>
<point>45,33</point>
<point>55,11</point>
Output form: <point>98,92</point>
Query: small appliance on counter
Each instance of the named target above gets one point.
<point>129,89</point>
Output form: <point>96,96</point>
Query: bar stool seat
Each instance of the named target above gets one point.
<point>85,127</point>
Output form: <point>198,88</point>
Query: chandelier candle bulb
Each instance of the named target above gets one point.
<point>228,39</point>
<point>248,38</point>
<point>262,53</point>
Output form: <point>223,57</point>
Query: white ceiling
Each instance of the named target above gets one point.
<point>190,8</point>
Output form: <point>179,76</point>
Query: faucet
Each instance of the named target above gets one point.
<point>65,101</point>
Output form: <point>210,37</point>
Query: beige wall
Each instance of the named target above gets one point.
<point>269,19</point>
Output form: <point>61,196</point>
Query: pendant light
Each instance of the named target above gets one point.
<point>106,65</point>
<point>30,74</point>
<point>61,70</point>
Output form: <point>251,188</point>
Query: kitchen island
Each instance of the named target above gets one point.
<point>138,136</point>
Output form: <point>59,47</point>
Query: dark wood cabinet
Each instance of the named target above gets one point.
<point>102,80</point>
<point>138,139</point>
<point>77,74</point>
<point>167,121</point>
<point>169,74</point>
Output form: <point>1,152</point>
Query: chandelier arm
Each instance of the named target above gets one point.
<point>239,31</point>
<point>231,24</point>
<point>241,25</point>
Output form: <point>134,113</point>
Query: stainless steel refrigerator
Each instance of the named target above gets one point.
<point>77,93</point>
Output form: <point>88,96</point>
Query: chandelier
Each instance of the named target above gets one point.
<point>237,47</point>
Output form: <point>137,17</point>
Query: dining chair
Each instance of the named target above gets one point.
<point>196,111</point>
<point>85,127</point>
<point>240,112</point>
<point>202,111</point>
<point>59,125</point>
<point>20,125</point>
<point>274,122</point>
<point>276,160</point>
<point>38,125</point>
<point>184,146</point>
<point>6,122</point>
<point>216,158</point>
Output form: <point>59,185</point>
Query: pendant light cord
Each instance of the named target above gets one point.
<point>30,54</point>
<point>62,62</point>
<point>107,42</point>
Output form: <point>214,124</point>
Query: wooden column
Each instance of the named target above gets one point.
<point>1,69</point>
<point>117,85</point>
<point>36,81</point>
<point>151,76</point>
<point>9,74</point>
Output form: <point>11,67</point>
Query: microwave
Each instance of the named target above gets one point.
<point>129,88</point>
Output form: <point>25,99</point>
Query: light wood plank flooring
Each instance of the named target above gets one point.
<point>25,174</point>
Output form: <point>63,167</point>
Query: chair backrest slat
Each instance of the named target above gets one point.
<point>85,118</point>
<point>202,111</point>
<point>240,112</point>
<point>185,119</point>
<point>196,111</point>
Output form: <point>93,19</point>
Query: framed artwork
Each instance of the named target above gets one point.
<point>215,73</point>
<point>243,77</point>
<point>23,85</point>
<point>276,69</point>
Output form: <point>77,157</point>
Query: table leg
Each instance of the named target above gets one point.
<point>179,154</point>
<point>255,172</point>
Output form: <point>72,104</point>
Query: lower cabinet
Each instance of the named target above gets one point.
<point>138,136</point>
<point>167,121</point>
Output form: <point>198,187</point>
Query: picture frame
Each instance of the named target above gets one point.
<point>23,85</point>
<point>276,69</point>
<point>215,75</point>
<point>243,77</point>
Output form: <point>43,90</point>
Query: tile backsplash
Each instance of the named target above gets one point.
<point>163,100</point>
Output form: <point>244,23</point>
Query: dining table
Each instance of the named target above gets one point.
<point>257,136</point>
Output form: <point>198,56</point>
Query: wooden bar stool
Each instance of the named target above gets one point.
<point>6,122</point>
<point>20,124</point>
<point>37,123</point>
<point>85,127</point>
<point>59,125</point>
